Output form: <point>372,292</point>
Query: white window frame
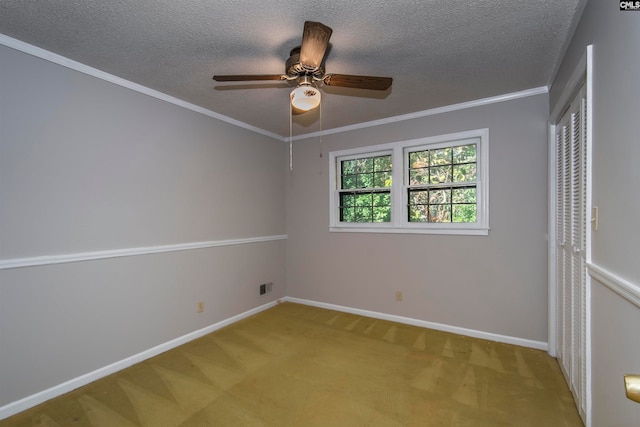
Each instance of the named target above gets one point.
<point>399,195</point>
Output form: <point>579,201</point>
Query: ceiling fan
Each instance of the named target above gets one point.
<point>306,66</point>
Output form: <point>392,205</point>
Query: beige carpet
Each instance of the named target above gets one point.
<point>295,365</point>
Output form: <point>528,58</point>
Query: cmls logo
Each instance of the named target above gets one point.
<point>630,5</point>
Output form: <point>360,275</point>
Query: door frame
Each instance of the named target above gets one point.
<point>582,75</point>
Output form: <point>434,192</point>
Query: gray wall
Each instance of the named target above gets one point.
<point>495,283</point>
<point>86,165</point>
<point>616,149</point>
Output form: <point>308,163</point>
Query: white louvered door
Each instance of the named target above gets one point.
<point>571,228</point>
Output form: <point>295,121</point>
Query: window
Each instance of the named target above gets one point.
<point>428,185</point>
<point>442,184</point>
<point>365,189</point>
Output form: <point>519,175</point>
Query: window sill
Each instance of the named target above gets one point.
<point>467,231</point>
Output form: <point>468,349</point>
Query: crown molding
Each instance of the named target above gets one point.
<point>94,72</point>
<point>431,112</point>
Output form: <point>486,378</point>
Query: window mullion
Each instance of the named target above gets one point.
<point>398,187</point>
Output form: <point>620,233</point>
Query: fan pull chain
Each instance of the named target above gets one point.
<point>290,138</point>
<point>320,128</point>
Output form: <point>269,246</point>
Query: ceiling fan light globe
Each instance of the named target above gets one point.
<point>305,98</point>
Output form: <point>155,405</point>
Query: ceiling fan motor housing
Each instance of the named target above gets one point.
<point>294,68</point>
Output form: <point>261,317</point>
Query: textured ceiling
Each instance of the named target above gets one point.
<point>439,52</point>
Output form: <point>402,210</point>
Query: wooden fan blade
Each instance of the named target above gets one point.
<point>248,77</point>
<point>358,82</point>
<point>315,40</point>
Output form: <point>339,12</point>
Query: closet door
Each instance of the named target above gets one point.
<point>571,229</point>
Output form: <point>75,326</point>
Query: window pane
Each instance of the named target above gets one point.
<point>364,180</point>
<point>419,167</point>
<point>464,154</point>
<point>382,214</point>
<point>382,199</point>
<point>364,214</point>
<point>382,164</point>
<point>382,179</point>
<point>347,200</point>
<point>464,172</point>
<point>464,195</point>
<point>441,156</point>
<point>440,174</point>
<point>363,200</point>
<point>348,167</point>
<point>419,213</point>
<point>418,197</point>
<point>442,205</point>
<point>348,214</point>
<point>440,213</point>
<point>364,165</point>
<point>464,213</point>
<point>419,176</point>
<point>440,196</point>
<point>419,159</point>
<point>418,206</point>
<point>366,172</point>
<point>365,207</point>
<point>348,181</point>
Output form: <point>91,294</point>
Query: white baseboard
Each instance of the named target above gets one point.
<point>60,389</point>
<point>539,345</point>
